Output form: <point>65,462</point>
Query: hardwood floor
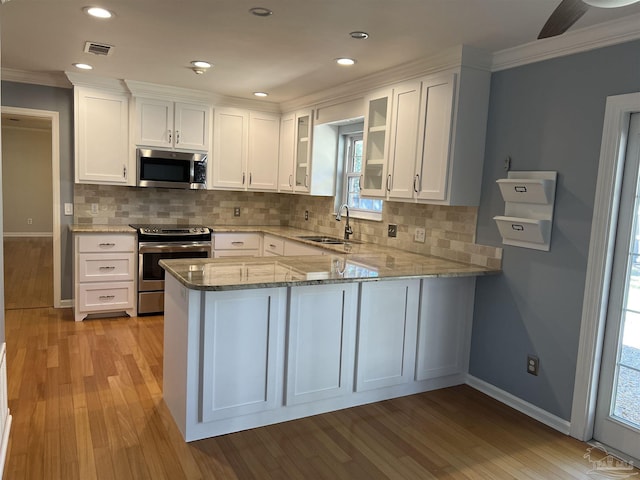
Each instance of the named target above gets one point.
<point>28,272</point>
<point>86,400</point>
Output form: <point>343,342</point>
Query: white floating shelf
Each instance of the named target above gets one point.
<point>528,212</point>
<point>527,190</point>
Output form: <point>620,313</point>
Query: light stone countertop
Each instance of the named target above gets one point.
<point>354,261</point>
<point>239,273</point>
<point>76,228</point>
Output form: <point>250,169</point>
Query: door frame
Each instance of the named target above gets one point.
<point>55,181</point>
<point>600,261</point>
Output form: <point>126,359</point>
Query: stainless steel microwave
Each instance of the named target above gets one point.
<point>169,169</point>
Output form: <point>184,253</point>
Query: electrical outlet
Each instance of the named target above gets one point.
<point>306,214</point>
<point>419,235</point>
<point>94,208</point>
<point>29,221</point>
<point>533,364</point>
<point>392,230</point>
<point>68,208</point>
<point>236,211</point>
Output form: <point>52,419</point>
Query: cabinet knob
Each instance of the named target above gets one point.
<point>169,133</point>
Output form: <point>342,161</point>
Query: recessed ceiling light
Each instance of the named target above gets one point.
<point>83,66</point>
<point>200,64</point>
<point>261,11</point>
<point>98,12</point>
<point>359,35</point>
<point>345,61</point>
<point>261,94</point>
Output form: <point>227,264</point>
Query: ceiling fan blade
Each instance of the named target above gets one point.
<point>565,15</point>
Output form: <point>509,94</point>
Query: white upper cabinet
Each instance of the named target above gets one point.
<point>167,124</point>
<point>245,151</point>
<point>424,139</point>
<point>262,161</point>
<point>432,169</point>
<point>296,131</point>
<point>102,137</point>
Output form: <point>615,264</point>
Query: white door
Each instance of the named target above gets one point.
<point>230,148</point>
<point>618,408</point>
<point>264,135</point>
<point>191,126</point>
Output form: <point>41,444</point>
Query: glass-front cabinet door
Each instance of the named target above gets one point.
<point>302,152</point>
<point>374,181</point>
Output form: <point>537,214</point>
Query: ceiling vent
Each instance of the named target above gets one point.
<point>97,48</point>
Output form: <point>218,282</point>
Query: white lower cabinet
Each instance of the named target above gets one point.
<point>240,335</point>
<point>104,274</point>
<point>387,329</point>
<point>321,338</point>
<point>444,328</point>
<point>241,359</point>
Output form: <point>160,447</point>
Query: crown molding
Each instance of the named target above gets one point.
<point>49,79</point>
<point>576,41</point>
<point>445,60</point>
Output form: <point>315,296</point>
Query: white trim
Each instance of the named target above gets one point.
<point>57,79</point>
<point>520,405</point>
<point>4,405</point>
<point>54,117</point>
<point>26,234</point>
<point>574,41</point>
<point>601,244</point>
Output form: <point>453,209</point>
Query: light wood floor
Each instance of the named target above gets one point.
<point>86,399</point>
<point>28,272</point>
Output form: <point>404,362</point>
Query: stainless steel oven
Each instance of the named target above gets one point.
<point>158,242</point>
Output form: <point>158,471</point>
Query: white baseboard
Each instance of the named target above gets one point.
<point>5,416</point>
<point>28,234</point>
<point>522,406</point>
<point>68,303</point>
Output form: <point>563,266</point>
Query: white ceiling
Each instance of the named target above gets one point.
<point>289,54</point>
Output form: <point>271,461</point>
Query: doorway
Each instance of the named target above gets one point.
<point>617,421</point>
<point>32,237</point>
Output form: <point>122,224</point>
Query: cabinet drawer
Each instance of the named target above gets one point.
<point>106,243</point>
<point>105,267</point>
<point>236,241</point>
<point>273,245</point>
<point>98,297</point>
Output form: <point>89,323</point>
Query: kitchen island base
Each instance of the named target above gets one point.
<point>240,359</point>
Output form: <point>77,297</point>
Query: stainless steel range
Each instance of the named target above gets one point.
<point>157,242</point>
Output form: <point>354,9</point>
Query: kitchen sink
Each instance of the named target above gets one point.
<point>324,239</point>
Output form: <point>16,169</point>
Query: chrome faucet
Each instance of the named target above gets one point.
<point>347,228</point>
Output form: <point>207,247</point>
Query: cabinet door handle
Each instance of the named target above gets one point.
<point>124,171</point>
<point>239,244</point>
<point>249,178</point>
<point>170,135</point>
<point>306,181</point>
<point>360,182</point>
<point>177,137</point>
<point>108,267</point>
<point>107,244</point>
<point>290,181</point>
<point>272,245</point>
<point>415,183</point>
<point>243,175</point>
<point>107,297</point>
<point>389,183</point>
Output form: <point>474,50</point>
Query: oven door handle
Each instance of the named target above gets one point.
<point>173,247</point>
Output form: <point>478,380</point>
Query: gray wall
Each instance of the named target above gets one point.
<point>59,100</point>
<point>546,116</point>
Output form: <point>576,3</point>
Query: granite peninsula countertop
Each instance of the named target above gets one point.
<point>239,273</point>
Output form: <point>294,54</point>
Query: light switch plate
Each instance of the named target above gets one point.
<point>68,208</point>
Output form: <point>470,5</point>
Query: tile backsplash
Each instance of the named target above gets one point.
<point>450,231</point>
